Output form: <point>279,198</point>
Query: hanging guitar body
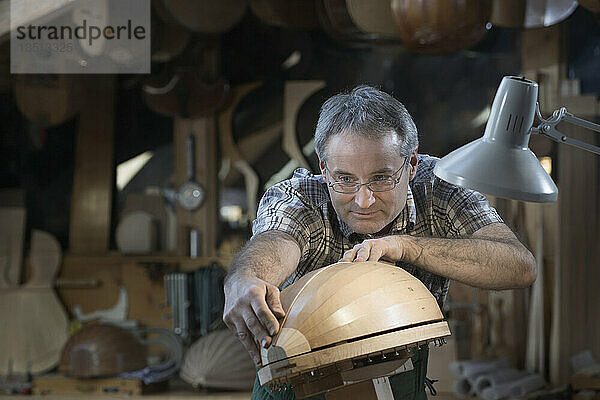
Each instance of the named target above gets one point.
<point>33,322</point>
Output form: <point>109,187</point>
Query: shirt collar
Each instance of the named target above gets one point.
<point>404,222</point>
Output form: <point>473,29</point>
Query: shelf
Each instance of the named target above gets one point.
<point>183,263</point>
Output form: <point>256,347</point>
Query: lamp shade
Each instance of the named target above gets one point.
<point>500,163</point>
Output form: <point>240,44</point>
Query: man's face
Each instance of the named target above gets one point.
<point>354,158</point>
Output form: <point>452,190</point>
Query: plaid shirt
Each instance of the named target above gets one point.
<point>301,207</point>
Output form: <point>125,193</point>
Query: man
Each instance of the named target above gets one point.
<point>376,198</point>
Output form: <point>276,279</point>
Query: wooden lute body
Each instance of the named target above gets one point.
<point>349,322</point>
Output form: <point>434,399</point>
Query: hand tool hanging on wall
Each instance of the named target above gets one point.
<point>191,93</point>
<point>190,194</point>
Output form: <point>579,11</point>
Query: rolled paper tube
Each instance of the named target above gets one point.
<point>497,378</point>
<point>462,387</point>
<point>495,392</point>
<point>516,388</point>
<point>468,368</point>
<point>472,381</point>
<point>526,385</point>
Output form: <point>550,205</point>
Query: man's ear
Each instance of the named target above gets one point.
<point>322,166</point>
<point>414,162</point>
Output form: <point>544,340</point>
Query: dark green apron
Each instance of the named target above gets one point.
<point>408,385</point>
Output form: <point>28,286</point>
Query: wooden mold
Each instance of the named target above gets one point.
<point>349,322</point>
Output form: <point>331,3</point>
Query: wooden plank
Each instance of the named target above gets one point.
<point>579,202</point>
<point>230,151</point>
<point>12,235</point>
<point>141,276</point>
<point>205,218</point>
<point>582,106</point>
<point>541,61</point>
<point>93,178</point>
<point>514,302</point>
<point>185,264</point>
<point>144,287</point>
<point>177,390</point>
<point>60,385</point>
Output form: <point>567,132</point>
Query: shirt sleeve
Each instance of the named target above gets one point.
<point>284,208</point>
<point>467,211</point>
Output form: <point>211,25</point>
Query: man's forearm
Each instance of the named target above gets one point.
<point>252,298</point>
<point>481,262</point>
<point>270,256</point>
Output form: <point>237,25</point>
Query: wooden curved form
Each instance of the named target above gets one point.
<point>230,150</point>
<point>48,100</point>
<point>294,95</point>
<point>214,16</point>
<point>180,93</point>
<point>347,311</point>
<point>373,17</point>
<point>434,27</point>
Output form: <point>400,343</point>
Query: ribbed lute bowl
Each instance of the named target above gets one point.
<point>347,311</point>
<point>101,350</point>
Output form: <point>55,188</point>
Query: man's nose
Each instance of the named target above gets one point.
<point>364,197</point>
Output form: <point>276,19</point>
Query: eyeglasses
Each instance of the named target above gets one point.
<point>382,183</point>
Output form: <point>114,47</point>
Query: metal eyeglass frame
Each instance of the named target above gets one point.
<point>367,184</point>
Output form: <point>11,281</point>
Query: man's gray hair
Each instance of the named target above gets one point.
<point>367,112</point>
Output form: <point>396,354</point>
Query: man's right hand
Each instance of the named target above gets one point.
<point>252,309</point>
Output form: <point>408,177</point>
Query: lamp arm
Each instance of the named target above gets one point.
<point>548,128</point>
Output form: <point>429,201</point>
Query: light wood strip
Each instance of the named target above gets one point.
<point>230,150</point>
<point>294,95</point>
<point>91,203</point>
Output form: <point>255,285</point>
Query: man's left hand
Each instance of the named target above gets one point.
<point>389,248</point>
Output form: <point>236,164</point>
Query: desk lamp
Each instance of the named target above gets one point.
<point>500,163</point>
